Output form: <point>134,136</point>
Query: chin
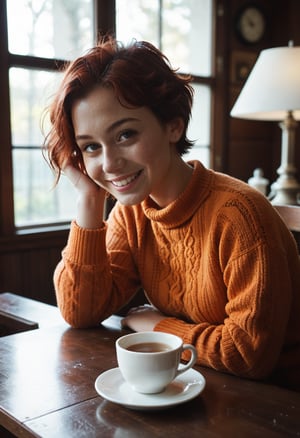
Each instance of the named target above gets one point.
<point>130,199</point>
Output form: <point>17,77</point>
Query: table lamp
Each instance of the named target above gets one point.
<point>272,93</point>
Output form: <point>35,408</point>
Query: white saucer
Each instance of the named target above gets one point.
<point>111,386</point>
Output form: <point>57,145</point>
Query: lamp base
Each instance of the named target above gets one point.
<point>285,192</point>
<point>286,189</point>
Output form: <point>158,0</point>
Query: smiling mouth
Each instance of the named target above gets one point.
<point>124,182</point>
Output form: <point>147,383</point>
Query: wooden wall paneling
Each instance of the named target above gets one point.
<point>293,33</point>
<point>29,274</point>
<point>219,135</point>
<point>249,155</point>
<point>27,265</point>
<point>9,273</point>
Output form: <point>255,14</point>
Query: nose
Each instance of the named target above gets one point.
<point>111,160</point>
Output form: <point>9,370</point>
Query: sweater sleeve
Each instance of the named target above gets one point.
<point>90,285</point>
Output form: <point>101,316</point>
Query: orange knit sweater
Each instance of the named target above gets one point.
<point>218,262</point>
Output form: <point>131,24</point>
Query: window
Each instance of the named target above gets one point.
<point>182,29</point>
<point>55,30</point>
<point>49,32</point>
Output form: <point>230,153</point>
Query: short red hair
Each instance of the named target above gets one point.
<point>140,75</point>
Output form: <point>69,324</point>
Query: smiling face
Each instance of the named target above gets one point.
<point>127,151</point>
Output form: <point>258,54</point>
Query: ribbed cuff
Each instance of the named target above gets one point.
<point>176,327</point>
<point>86,246</point>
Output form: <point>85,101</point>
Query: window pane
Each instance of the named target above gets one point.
<point>34,201</point>
<point>59,29</point>
<point>187,33</point>
<point>199,153</point>
<point>199,128</point>
<point>137,19</point>
<point>30,91</point>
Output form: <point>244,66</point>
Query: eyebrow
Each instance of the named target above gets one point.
<point>111,128</point>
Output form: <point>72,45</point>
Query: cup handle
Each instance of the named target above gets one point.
<point>192,360</point>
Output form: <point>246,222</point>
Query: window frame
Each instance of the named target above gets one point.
<point>104,12</point>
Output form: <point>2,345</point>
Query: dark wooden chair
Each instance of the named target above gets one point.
<point>291,216</point>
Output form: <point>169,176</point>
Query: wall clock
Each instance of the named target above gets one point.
<point>250,24</point>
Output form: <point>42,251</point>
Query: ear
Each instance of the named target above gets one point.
<point>176,127</point>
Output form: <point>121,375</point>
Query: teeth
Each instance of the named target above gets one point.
<point>125,181</point>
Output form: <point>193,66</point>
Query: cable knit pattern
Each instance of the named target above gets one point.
<point>218,262</point>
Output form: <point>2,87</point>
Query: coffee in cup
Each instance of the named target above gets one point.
<point>149,361</point>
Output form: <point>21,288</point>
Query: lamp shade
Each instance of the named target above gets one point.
<point>272,88</point>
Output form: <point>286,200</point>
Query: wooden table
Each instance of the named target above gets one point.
<point>47,390</point>
<point>18,314</point>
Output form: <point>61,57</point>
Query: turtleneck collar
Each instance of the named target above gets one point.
<point>180,210</point>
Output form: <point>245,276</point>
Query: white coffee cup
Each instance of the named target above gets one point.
<point>151,371</point>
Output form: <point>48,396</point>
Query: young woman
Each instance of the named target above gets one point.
<point>217,263</point>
